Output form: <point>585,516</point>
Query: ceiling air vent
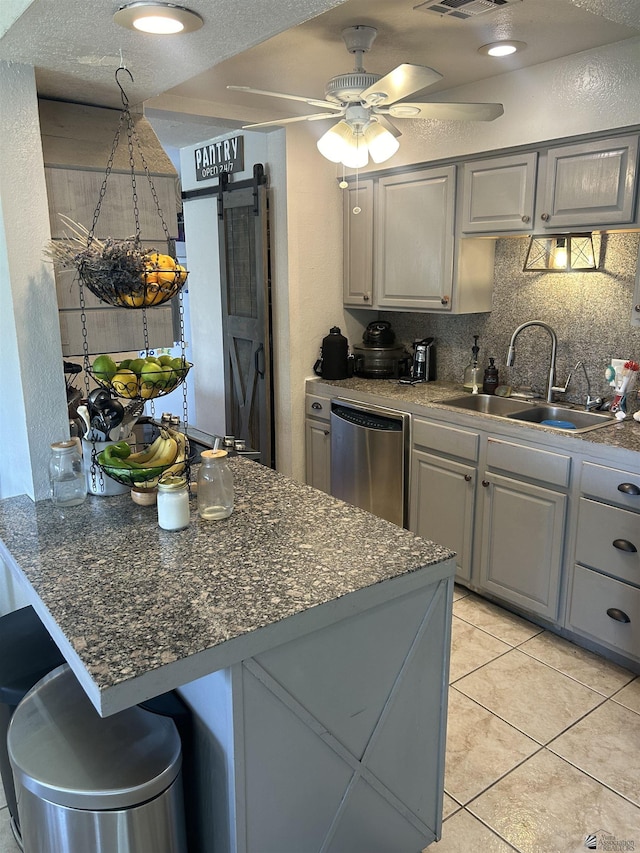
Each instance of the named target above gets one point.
<point>463,9</point>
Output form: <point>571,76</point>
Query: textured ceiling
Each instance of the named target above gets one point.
<point>283,45</point>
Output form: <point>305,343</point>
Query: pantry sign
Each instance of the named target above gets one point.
<point>227,155</point>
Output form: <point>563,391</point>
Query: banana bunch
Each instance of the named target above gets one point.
<point>167,455</point>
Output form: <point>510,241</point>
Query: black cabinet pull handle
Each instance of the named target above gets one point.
<point>316,406</point>
<point>486,484</point>
<point>624,545</point>
<point>468,478</point>
<point>629,489</point>
<point>618,615</point>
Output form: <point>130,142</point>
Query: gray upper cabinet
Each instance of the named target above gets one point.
<point>498,194</point>
<point>414,239</point>
<point>400,250</point>
<point>357,202</point>
<point>590,183</point>
<point>587,185</point>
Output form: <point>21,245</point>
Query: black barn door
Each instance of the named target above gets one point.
<point>246,309</point>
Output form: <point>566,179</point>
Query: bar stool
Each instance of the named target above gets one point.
<point>27,653</point>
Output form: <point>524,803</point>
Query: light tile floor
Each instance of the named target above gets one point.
<point>543,744</point>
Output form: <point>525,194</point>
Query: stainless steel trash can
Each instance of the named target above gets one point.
<point>88,784</point>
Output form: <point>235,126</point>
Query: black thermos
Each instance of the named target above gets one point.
<point>334,357</point>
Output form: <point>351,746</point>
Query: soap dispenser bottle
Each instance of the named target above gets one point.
<point>472,381</point>
<point>490,381</point>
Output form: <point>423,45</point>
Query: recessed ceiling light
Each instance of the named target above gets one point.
<point>157,18</point>
<point>502,48</point>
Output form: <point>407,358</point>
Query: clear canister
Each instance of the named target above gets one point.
<point>215,485</point>
<point>173,503</point>
<point>66,474</point>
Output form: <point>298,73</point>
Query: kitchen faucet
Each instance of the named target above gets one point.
<point>511,355</point>
<point>591,402</point>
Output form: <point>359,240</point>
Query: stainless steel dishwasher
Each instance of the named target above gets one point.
<point>369,458</point>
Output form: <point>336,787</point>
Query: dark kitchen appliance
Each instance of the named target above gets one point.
<point>369,459</point>
<point>334,357</point>
<point>379,357</point>
<point>423,366</point>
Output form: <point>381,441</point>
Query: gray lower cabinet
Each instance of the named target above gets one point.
<point>523,525</point>
<point>318,443</point>
<point>604,600</point>
<point>443,488</point>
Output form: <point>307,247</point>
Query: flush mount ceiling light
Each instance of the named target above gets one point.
<point>157,18</point>
<point>502,48</point>
<point>560,253</point>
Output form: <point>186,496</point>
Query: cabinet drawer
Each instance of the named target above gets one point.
<point>607,536</point>
<point>591,597</point>
<point>317,407</point>
<point>550,468</point>
<point>446,439</point>
<point>612,485</point>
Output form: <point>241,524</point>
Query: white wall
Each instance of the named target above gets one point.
<point>33,412</point>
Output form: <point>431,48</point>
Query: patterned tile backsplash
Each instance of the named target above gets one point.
<point>590,313</point>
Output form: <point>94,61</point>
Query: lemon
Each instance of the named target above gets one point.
<point>125,383</point>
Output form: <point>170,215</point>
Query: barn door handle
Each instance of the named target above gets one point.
<point>259,361</point>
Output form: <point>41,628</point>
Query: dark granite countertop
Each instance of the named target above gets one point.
<point>417,399</point>
<point>130,599</point>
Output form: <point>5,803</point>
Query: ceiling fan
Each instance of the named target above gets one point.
<point>363,101</point>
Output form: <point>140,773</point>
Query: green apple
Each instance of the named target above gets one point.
<point>104,368</point>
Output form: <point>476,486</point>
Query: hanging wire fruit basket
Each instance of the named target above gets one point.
<point>122,273</point>
<point>140,379</point>
<point>143,469</point>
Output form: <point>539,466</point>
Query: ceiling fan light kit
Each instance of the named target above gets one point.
<point>362,101</point>
<point>157,18</point>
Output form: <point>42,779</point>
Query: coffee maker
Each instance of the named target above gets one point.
<point>423,364</point>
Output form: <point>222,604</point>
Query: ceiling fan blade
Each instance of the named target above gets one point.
<point>384,121</point>
<point>447,112</point>
<point>400,83</point>
<point>327,105</point>
<point>278,121</point>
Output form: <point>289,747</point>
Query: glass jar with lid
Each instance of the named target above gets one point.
<point>66,474</point>
<point>215,485</point>
<point>173,503</point>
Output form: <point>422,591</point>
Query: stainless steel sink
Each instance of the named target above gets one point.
<point>581,420</point>
<point>488,404</point>
<point>531,411</point>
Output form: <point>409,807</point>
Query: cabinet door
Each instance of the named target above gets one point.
<point>589,184</point>
<point>498,194</point>
<point>358,243</point>
<point>522,543</point>
<point>318,455</point>
<point>441,502</point>
<point>414,240</point>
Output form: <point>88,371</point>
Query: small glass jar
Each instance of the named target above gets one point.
<point>173,503</point>
<point>66,474</point>
<point>215,485</point>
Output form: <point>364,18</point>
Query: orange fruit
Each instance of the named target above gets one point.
<point>167,277</point>
<point>133,300</point>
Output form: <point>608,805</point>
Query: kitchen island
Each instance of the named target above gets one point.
<point>310,639</point>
